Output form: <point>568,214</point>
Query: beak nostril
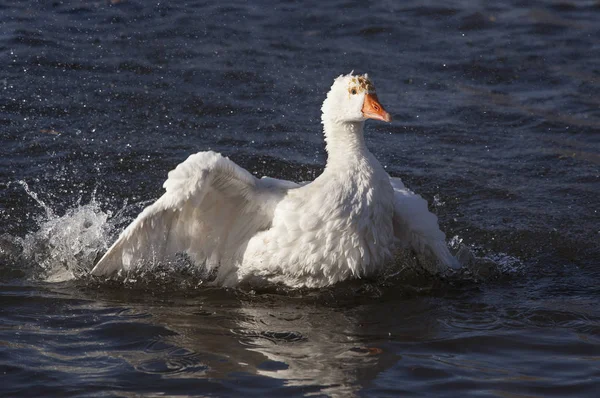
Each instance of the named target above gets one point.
<point>372,109</point>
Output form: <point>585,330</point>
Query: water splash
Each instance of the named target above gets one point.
<point>34,196</point>
<point>482,263</point>
<point>66,246</point>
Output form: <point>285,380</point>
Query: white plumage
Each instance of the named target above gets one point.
<point>349,222</point>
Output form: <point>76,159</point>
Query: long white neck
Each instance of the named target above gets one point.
<point>345,142</point>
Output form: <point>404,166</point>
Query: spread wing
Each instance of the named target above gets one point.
<point>210,209</point>
<point>416,227</point>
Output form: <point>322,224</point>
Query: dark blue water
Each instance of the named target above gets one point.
<point>497,124</point>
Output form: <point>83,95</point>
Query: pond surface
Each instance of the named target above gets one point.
<point>497,125</point>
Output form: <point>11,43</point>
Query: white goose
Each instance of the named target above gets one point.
<point>349,222</point>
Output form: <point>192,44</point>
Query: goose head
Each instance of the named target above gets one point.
<point>352,99</point>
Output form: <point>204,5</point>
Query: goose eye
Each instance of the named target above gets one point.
<point>353,91</point>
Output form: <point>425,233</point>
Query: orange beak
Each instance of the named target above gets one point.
<point>372,109</point>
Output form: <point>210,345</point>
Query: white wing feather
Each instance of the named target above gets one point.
<point>210,209</point>
<point>416,227</point>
